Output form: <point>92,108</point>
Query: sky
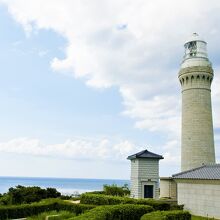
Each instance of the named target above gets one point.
<point>84,84</point>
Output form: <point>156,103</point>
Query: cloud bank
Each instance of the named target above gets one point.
<point>136,46</point>
<point>79,148</point>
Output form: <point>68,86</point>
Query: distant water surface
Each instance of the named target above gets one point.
<point>63,185</point>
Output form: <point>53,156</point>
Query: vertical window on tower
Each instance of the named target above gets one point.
<point>192,47</point>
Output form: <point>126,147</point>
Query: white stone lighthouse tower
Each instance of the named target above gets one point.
<point>196,76</point>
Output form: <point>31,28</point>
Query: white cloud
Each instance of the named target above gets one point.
<point>172,155</point>
<point>216,97</point>
<point>104,149</point>
<point>161,113</point>
<point>79,148</point>
<point>217,137</point>
<point>42,53</point>
<point>140,55</point>
<point>134,45</point>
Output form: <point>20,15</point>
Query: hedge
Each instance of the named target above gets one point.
<point>96,192</point>
<point>95,199</point>
<point>21,211</point>
<point>167,215</point>
<point>115,212</point>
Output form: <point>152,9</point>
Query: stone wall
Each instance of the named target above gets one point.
<point>168,188</point>
<point>144,172</point>
<point>197,126</point>
<point>135,186</point>
<point>200,197</point>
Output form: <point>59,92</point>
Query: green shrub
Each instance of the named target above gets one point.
<point>114,190</point>
<point>167,215</point>
<point>21,195</point>
<point>20,211</point>
<point>65,197</point>
<point>5,200</point>
<point>25,210</point>
<point>95,199</point>
<point>96,192</point>
<point>176,207</point>
<point>115,212</point>
<point>156,204</point>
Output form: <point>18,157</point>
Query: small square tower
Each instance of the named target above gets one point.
<point>145,174</point>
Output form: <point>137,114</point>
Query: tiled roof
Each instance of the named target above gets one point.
<point>208,172</point>
<point>145,154</point>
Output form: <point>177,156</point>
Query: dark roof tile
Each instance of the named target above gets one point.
<point>208,172</point>
<point>145,154</point>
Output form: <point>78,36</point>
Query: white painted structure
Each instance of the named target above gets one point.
<point>168,188</point>
<point>198,185</point>
<point>196,76</point>
<point>145,174</point>
<point>199,190</point>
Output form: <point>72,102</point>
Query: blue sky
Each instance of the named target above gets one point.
<point>83,90</point>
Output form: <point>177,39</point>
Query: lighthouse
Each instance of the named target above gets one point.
<point>195,76</point>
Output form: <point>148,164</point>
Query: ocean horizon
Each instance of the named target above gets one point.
<point>66,186</point>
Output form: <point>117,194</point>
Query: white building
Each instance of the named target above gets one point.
<point>145,174</point>
<point>198,185</point>
<point>199,190</point>
<point>168,188</point>
<point>195,76</point>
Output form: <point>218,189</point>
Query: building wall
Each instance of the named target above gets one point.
<point>197,126</point>
<point>144,171</point>
<point>200,197</point>
<point>168,188</point>
<point>148,168</point>
<point>135,186</point>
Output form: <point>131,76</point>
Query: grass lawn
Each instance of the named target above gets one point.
<point>201,218</point>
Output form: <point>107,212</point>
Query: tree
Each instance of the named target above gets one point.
<point>21,194</point>
<point>52,193</point>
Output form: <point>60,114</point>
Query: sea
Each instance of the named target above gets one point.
<point>67,186</point>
